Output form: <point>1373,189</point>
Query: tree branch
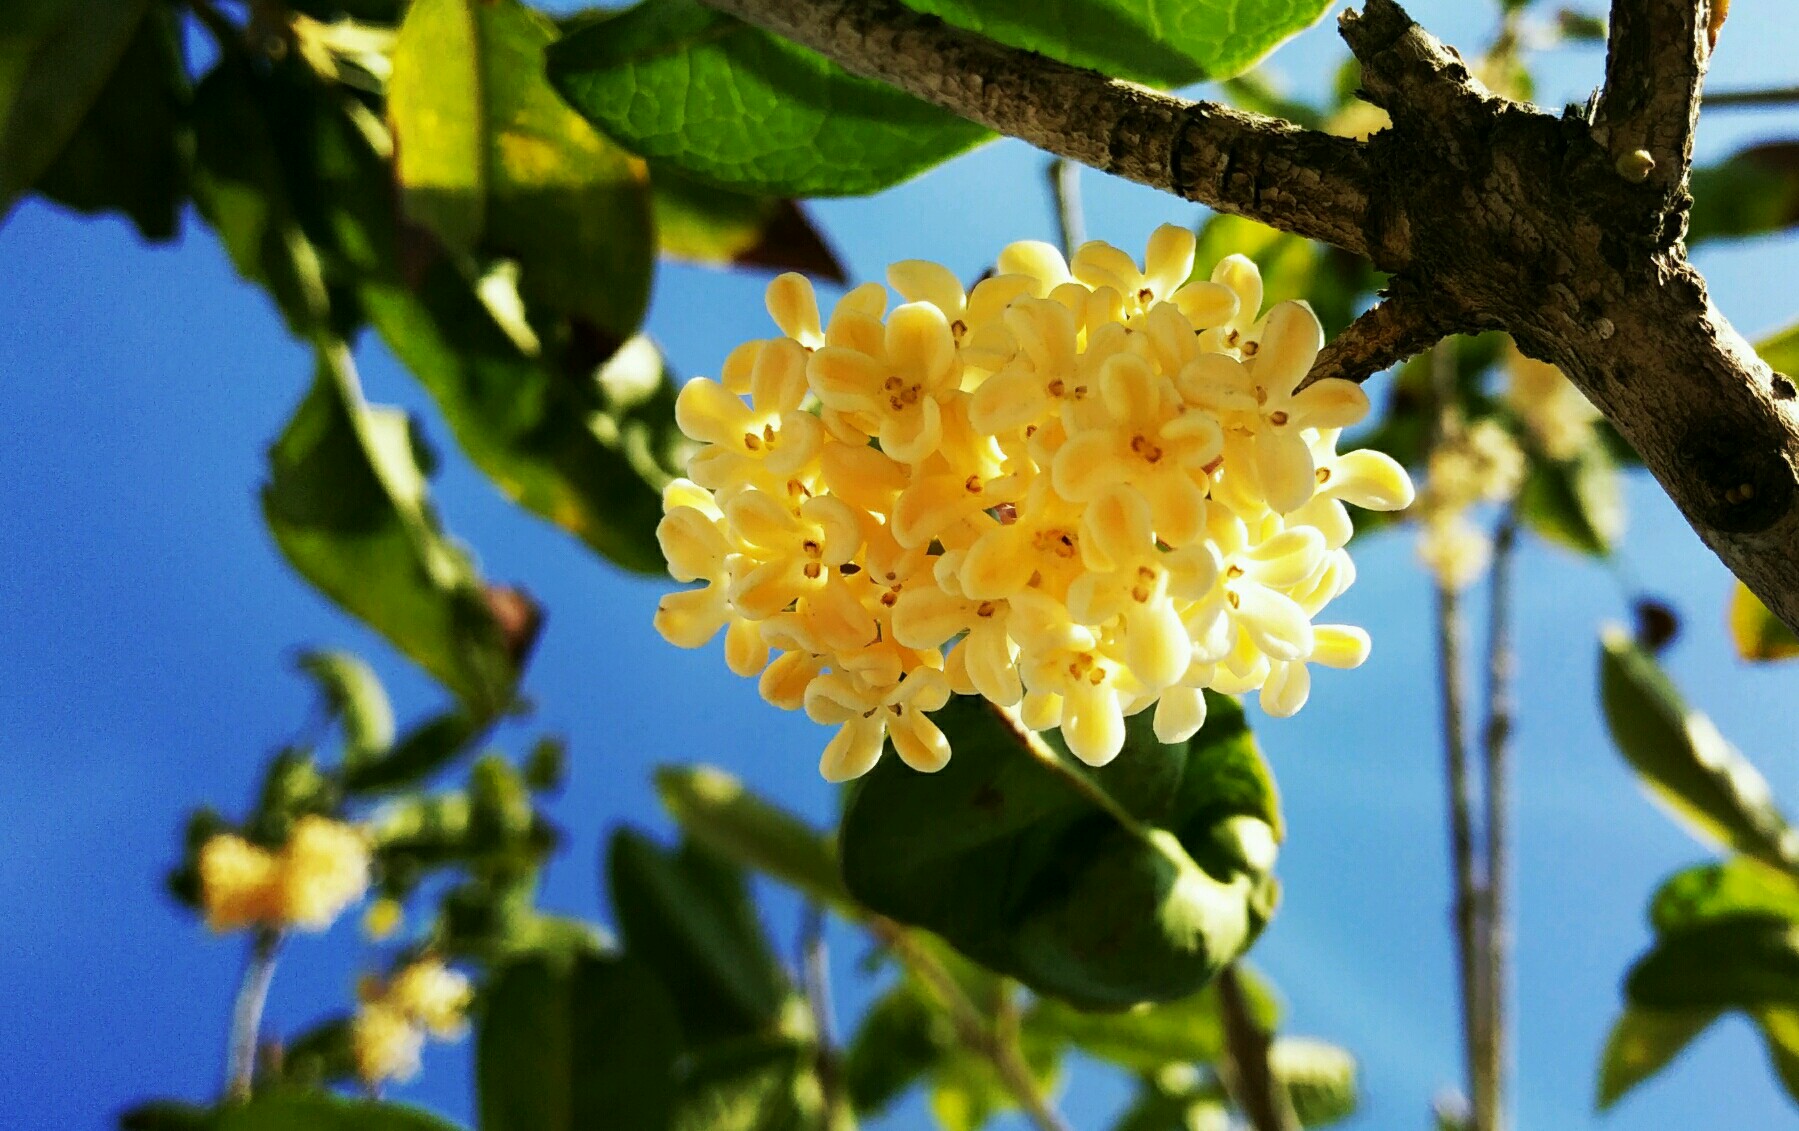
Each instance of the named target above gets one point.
<point>1393,329</point>
<point>1722,99</point>
<point>1495,739</point>
<point>1246,164</point>
<point>1654,67</point>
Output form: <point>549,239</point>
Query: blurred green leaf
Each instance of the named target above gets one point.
<point>312,1111</point>
<point>720,228</point>
<point>127,155</point>
<point>716,810</point>
<point>1780,1032</point>
<point>1157,1109</point>
<point>1750,193</point>
<point>321,1056</point>
<point>1709,892</point>
<point>346,503</point>
<point>1171,43</point>
<point>293,786</point>
<point>751,1084</point>
<point>1759,636</point>
<point>1028,874</point>
<point>419,753</point>
<point>688,915</point>
<point>1320,1079</point>
<point>1743,962</point>
<point>1642,1043</point>
<point>166,1115</point>
<point>1576,503</point>
<point>1686,763</point>
<point>1781,350</point>
<point>736,107</point>
<point>547,764</point>
<point>1189,1030</point>
<point>354,695</point>
<point>570,1045</point>
<point>900,1040</point>
<point>492,161</point>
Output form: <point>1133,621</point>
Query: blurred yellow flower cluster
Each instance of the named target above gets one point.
<point>1080,490</point>
<point>322,869</point>
<point>394,1017</point>
<point>1473,465</point>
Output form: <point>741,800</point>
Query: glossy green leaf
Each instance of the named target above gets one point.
<point>1028,873</point>
<point>751,1084</point>
<point>1163,43</point>
<point>1642,1043</point>
<point>1744,962</point>
<point>1577,503</point>
<point>739,108</point>
<point>127,155</point>
<point>354,696</point>
<point>1758,635</point>
<point>719,228</point>
<point>688,915</point>
<point>346,503</point>
<point>715,809</point>
<point>1320,1079</point>
<point>1781,350</point>
<point>1709,892</point>
<point>1685,762</point>
<point>493,162</point>
<point>55,58</point>
<point>1750,193</point>
<point>578,1044</point>
<point>313,1111</point>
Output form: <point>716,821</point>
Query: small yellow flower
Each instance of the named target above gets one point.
<point>386,1045</point>
<point>1557,413</point>
<point>324,869</point>
<point>382,919</point>
<point>432,995</point>
<point>238,883</point>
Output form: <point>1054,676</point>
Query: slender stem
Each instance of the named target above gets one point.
<point>1248,1075</point>
<point>1065,190</point>
<point>1722,99</point>
<point>815,970</point>
<point>246,1014</point>
<point>972,1029</point>
<point>1495,739</point>
<point>1453,694</point>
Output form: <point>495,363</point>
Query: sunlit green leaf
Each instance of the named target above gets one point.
<point>571,1045</point>
<point>1643,1042</point>
<point>1740,886</point>
<point>1749,193</point>
<point>1759,636</point>
<point>346,503</point>
<point>1025,871</point>
<point>1167,43</point>
<point>1682,758</point>
<point>492,161</point>
<point>720,228</point>
<point>356,699</point>
<point>715,809</point>
<point>742,109</point>
<point>1578,503</point>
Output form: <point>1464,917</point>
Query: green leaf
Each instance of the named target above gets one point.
<point>1780,1031</point>
<point>1759,636</point>
<point>714,809</point>
<point>1137,884</point>
<point>492,161</point>
<point>1781,350</point>
<point>1709,892</point>
<point>354,696</point>
<point>312,1111</point>
<point>752,1084</point>
<point>1743,962</point>
<point>688,915</point>
<point>346,503</point>
<point>1167,43</point>
<point>1156,1109</point>
<point>902,1038</point>
<point>166,1115</point>
<point>568,1045</point>
<point>1750,193</point>
<point>419,753</point>
<point>1642,1043</point>
<point>55,58</point>
<point>713,226</point>
<point>1577,503</point>
<point>1320,1079</point>
<point>739,108</point>
<point>128,153</point>
<point>1292,267</point>
<point>321,1056</point>
<point>1684,761</point>
<point>1149,1037</point>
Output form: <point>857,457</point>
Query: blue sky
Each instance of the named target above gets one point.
<point>150,627</point>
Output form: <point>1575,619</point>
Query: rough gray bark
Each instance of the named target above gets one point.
<point>1563,230</point>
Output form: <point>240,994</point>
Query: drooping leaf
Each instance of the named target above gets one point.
<point>1320,1079</point>
<point>570,1045</point>
<point>1642,1043</point>
<point>688,915</point>
<point>1026,872</point>
<point>1167,43</point>
<point>355,697</point>
<point>493,162</point>
<point>127,153</point>
<point>316,1111</point>
<point>346,503</point>
<point>1749,193</point>
<point>1709,892</point>
<point>739,108</point>
<point>715,809</point>
<point>1578,503</point>
<point>1759,636</point>
<point>1684,761</point>
<point>702,224</point>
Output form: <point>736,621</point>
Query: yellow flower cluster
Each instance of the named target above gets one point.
<point>322,869</point>
<point>394,1017</point>
<point>1081,490</point>
<point>1557,413</point>
<point>1481,464</point>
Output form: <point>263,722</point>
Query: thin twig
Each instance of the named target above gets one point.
<point>1393,329</point>
<point>815,976</point>
<point>1495,739</point>
<point>1065,192</point>
<point>246,1014</point>
<point>1249,1077</point>
<point>1725,99</point>
<point>971,1028</point>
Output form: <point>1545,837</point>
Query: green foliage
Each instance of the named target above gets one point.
<point>1708,893</point>
<point>420,752</point>
<point>1577,503</point>
<point>1759,636</point>
<point>1319,1077</point>
<point>703,224</point>
<point>1189,1030</point>
<point>739,108</point>
<point>1684,761</point>
<point>1750,193</point>
<point>1642,1042</point>
<point>312,1111</point>
<point>761,1083</point>
<point>346,503</point>
<point>1104,887</point>
<point>355,698</point>
<point>1781,350</point>
<point>1169,43</point>
<point>1333,282</point>
<point>715,810</point>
